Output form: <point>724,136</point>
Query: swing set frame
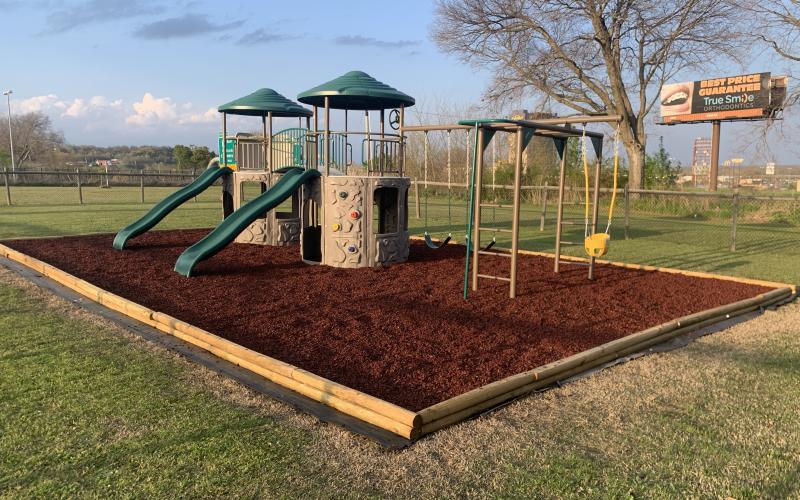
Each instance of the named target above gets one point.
<point>560,130</point>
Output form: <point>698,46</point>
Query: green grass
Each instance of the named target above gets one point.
<point>87,410</point>
<point>763,251</point>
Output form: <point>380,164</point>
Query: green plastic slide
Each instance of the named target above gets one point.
<point>168,204</point>
<point>235,223</point>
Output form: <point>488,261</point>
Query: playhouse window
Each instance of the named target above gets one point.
<point>386,210</point>
<point>290,208</point>
<point>252,189</point>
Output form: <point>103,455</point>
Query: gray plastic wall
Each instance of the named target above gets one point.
<point>276,228</point>
<point>350,225</point>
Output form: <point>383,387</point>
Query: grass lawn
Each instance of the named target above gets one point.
<point>89,410</point>
<point>764,251</point>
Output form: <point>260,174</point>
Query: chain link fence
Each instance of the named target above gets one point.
<point>727,233</point>
<point>730,233</point>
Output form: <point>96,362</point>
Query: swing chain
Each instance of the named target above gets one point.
<point>425,178</point>
<point>614,189</point>
<point>585,182</point>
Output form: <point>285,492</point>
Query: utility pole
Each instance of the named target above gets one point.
<point>8,93</point>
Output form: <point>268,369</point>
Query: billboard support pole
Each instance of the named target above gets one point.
<point>714,170</point>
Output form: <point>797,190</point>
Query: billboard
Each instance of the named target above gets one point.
<point>729,98</point>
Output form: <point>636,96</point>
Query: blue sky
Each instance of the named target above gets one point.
<point>147,72</point>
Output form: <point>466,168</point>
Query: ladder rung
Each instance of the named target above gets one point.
<point>491,277</point>
<point>571,223</point>
<point>495,229</point>
<point>497,254</point>
<point>495,205</point>
<point>568,243</point>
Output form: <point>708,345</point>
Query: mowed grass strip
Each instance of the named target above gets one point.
<point>86,410</point>
<point>90,410</point>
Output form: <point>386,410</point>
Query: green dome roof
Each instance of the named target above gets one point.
<point>263,101</point>
<point>356,90</point>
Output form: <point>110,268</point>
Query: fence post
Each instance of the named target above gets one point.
<point>734,216</point>
<point>544,207</point>
<point>416,199</point>
<point>80,189</point>
<point>141,186</point>
<point>627,197</point>
<point>8,186</point>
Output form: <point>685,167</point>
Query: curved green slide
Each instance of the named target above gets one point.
<point>238,221</point>
<point>167,205</point>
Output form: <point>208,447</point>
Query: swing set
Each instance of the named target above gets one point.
<point>481,133</point>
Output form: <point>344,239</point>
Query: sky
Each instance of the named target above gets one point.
<point>112,72</point>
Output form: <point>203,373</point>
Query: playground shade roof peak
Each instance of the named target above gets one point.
<point>264,101</point>
<point>356,90</point>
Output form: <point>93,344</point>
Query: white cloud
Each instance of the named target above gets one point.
<point>208,116</point>
<point>105,120</point>
<point>100,101</point>
<point>38,103</point>
<point>76,109</point>
<point>151,110</point>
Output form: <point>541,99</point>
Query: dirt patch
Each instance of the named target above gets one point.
<point>402,333</point>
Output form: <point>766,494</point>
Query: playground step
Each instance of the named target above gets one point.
<point>492,277</point>
<point>568,242</point>
<point>495,229</point>
<point>495,205</point>
<point>572,222</point>
<point>497,254</point>
<point>573,263</point>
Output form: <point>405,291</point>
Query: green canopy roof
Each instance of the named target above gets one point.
<point>264,101</point>
<point>356,90</point>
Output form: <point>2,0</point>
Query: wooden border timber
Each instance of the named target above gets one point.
<point>385,415</point>
<point>462,406</point>
<point>644,267</point>
<point>375,411</point>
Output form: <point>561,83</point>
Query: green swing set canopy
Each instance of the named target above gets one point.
<point>262,102</point>
<point>356,90</point>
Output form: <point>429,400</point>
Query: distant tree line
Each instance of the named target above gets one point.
<point>38,144</point>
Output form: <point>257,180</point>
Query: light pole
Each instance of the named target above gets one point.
<point>8,93</point>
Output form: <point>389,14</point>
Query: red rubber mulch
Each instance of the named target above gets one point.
<point>402,333</point>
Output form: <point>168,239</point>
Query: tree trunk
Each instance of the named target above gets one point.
<point>636,161</point>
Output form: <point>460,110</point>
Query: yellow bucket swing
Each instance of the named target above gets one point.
<point>597,244</point>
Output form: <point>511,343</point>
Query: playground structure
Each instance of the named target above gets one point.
<point>339,218</point>
<point>435,362</point>
<point>347,216</point>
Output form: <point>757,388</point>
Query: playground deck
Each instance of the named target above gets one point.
<point>414,342</point>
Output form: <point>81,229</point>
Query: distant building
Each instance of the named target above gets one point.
<point>106,163</point>
<point>540,153</point>
<point>701,158</point>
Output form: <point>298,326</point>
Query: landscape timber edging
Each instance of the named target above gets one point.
<point>385,415</point>
<point>460,407</point>
<point>375,411</point>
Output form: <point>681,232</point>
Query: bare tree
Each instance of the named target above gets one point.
<point>34,137</point>
<point>592,56</point>
<point>777,25</point>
